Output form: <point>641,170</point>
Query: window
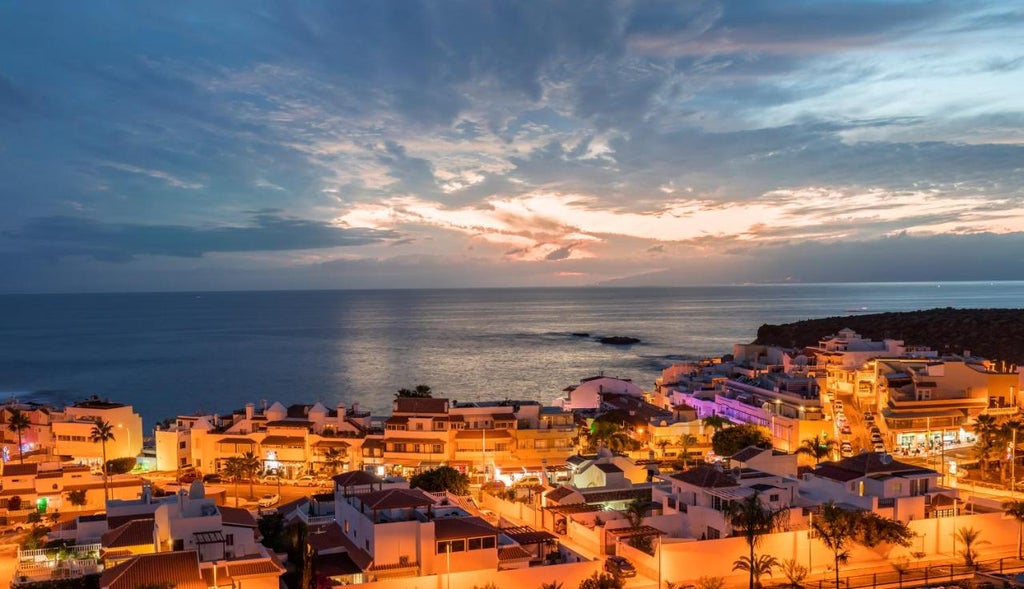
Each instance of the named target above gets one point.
<point>178,545</point>
<point>229,539</point>
<point>419,426</point>
<point>181,444</point>
<point>774,497</point>
<point>454,545</point>
<point>346,526</point>
<point>501,447</point>
<point>436,449</point>
<point>475,543</point>
<point>488,542</point>
<point>713,533</point>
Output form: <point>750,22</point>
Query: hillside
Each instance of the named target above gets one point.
<point>997,334</point>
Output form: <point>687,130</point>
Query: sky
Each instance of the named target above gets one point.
<point>369,144</point>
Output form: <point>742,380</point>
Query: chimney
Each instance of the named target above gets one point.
<point>355,407</point>
<point>249,410</point>
<point>341,412</point>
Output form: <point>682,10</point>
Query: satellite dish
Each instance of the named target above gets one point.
<point>885,459</point>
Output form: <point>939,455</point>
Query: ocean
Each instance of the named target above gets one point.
<point>178,353</point>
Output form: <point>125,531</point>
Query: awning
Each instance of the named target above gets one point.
<point>413,441</point>
<point>888,412</point>
<point>410,462</point>
<point>209,537</point>
<point>481,434</point>
<point>526,535</point>
<point>574,508</point>
<point>283,441</point>
<point>332,443</point>
<point>730,493</point>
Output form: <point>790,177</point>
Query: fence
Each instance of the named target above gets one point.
<point>916,576</point>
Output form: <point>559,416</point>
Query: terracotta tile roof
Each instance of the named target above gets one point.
<point>226,573</point>
<point>13,470</point>
<point>748,453</point>
<point>395,499</point>
<point>179,568</point>
<point>280,440</point>
<point>462,527</point>
<point>137,532</point>
<point>356,477</point>
<point>706,476</point>
<point>418,405</point>
<point>559,493</point>
<point>338,564</point>
<point>872,462</point>
<point>414,440</point>
<point>234,516</point>
<point>828,470</point>
<point>324,536</point>
<point>513,553</point>
<point>396,420</point>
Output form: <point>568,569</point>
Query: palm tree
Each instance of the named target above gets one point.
<point>985,429</point>
<point>233,470</point>
<point>1015,509</point>
<point>250,465</point>
<point>838,528</point>
<point>663,443</point>
<point>685,441</point>
<point>102,433</point>
<point>333,459</point>
<point>17,422</point>
<point>971,538</point>
<point>759,567</point>
<point>751,519</point>
<point>606,433</point>
<point>817,448</point>
<point>715,422</point>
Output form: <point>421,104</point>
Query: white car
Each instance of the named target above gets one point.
<point>268,500</point>
<point>306,481</point>
<point>879,447</point>
<point>846,450</point>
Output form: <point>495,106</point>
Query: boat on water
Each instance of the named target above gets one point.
<point>857,310</point>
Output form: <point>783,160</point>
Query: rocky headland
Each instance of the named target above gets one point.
<point>997,334</point>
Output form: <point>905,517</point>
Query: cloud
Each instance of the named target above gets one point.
<point>119,242</point>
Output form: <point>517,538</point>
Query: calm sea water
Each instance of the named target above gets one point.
<point>183,352</point>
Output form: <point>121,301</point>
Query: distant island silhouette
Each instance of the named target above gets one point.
<point>996,334</point>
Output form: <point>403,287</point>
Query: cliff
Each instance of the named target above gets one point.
<point>997,334</point>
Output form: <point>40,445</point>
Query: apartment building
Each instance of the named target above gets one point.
<point>927,400</point>
<point>290,441</point>
<point>53,431</point>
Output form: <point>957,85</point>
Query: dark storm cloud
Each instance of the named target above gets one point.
<point>118,242</point>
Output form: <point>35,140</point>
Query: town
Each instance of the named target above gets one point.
<point>851,463</point>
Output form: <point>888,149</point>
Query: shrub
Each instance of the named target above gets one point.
<point>120,465</point>
<point>77,497</point>
<point>14,503</point>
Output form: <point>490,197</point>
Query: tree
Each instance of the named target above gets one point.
<point>551,585</point>
<point>102,432</point>
<point>986,429</point>
<point>18,422</point>
<point>233,470</point>
<point>121,465</point>
<point>731,440</point>
<point>1015,509</point>
<point>635,512</point>
<point>685,442</point>
<point>77,497</point>
<point>601,581</point>
<point>971,538</point>
<point>795,572</point>
<point>333,459</point>
<point>708,582</point>
<point>421,391</point>
<point>605,432</point>
<point>752,520</point>
<point>442,478</point>
<point>250,466</point>
<point>817,448</point>
<point>715,422</point>
<point>662,444</point>
<point>838,528</point>
<point>758,567</point>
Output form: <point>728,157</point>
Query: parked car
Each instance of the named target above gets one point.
<point>268,500</point>
<point>869,417</point>
<point>619,566</point>
<point>188,477</point>
<point>271,479</point>
<point>212,478</point>
<point>845,429</point>
<point>530,481</point>
<point>879,447</point>
<point>306,481</point>
<point>876,437</point>
<point>846,449</point>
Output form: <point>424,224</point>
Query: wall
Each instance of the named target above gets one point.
<point>569,575</point>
